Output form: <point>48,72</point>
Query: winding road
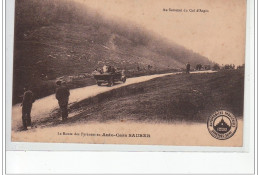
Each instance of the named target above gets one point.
<point>42,107</point>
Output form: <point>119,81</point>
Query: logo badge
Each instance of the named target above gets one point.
<point>222,125</point>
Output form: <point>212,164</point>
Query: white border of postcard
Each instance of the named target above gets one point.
<point>76,162</point>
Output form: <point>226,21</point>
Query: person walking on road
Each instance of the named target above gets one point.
<point>62,95</point>
<point>188,68</point>
<point>28,99</point>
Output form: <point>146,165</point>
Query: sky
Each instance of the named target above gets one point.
<point>218,34</point>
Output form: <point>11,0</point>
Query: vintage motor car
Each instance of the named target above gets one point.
<point>110,78</point>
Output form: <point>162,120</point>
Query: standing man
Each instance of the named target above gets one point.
<point>188,68</point>
<point>27,102</point>
<point>62,95</point>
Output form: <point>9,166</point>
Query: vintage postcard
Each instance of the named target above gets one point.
<point>135,72</point>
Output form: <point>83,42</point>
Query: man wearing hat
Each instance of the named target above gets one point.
<point>27,102</point>
<point>62,95</point>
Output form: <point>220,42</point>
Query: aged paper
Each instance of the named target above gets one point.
<point>142,72</point>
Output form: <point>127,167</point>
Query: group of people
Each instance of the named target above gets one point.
<point>62,95</point>
<point>105,69</point>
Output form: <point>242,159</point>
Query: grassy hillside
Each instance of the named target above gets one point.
<point>181,98</point>
<point>57,38</point>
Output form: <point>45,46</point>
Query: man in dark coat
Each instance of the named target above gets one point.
<point>188,68</point>
<point>62,95</point>
<point>27,102</point>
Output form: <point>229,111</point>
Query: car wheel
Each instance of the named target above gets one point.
<point>111,82</point>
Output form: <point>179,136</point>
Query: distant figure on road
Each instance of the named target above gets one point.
<point>188,68</point>
<point>123,72</point>
<point>28,100</point>
<point>198,67</point>
<point>62,95</point>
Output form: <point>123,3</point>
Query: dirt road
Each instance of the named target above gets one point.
<point>42,107</point>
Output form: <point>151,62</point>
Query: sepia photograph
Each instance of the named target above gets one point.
<point>135,72</point>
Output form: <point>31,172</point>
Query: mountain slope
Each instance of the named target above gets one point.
<point>57,38</point>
